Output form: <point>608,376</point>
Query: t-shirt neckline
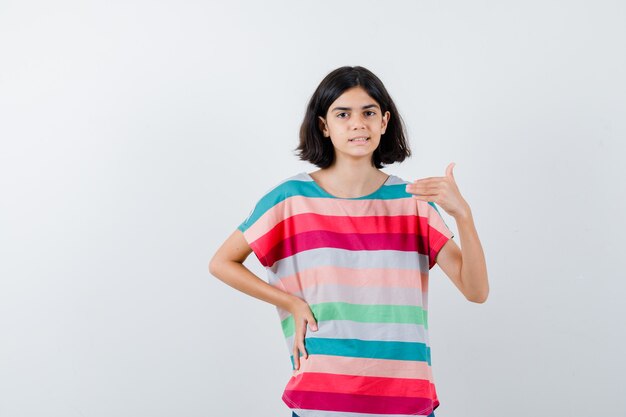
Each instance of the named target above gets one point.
<point>319,187</point>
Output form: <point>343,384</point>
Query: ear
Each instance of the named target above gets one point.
<point>385,120</point>
<point>322,126</point>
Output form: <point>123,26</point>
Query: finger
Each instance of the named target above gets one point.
<point>423,198</point>
<point>300,338</point>
<point>422,190</point>
<point>426,179</point>
<point>303,349</point>
<point>312,323</point>
<point>296,357</point>
<point>431,181</point>
<point>413,188</point>
<point>419,184</point>
<point>426,187</point>
<point>449,170</point>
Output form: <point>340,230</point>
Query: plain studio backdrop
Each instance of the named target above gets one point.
<point>137,135</point>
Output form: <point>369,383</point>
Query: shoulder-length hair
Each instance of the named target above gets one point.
<point>318,150</point>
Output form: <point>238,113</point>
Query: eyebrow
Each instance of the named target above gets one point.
<point>350,108</point>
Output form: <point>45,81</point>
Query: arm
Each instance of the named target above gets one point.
<point>466,266</point>
<point>227,265</point>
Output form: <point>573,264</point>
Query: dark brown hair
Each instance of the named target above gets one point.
<point>318,150</point>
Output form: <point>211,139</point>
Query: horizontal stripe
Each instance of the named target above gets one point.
<point>347,241</point>
<point>409,284</point>
<point>355,348</point>
<point>363,385</point>
<point>298,412</point>
<point>347,329</point>
<point>345,224</point>
<point>374,278</point>
<point>357,403</point>
<point>365,367</point>
<point>362,313</point>
<point>360,294</point>
<point>406,206</point>
<point>340,258</point>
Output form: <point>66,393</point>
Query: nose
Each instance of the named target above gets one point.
<point>358,122</point>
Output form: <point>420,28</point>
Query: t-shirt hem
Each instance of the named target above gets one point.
<point>426,411</point>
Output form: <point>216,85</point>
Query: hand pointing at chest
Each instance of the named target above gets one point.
<point>443,191</point>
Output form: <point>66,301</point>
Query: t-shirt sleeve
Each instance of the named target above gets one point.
<point>260,229</point>
<point>438,233</point>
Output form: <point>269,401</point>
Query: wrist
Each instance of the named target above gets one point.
<point>292,302</point>
<point>464,215</point>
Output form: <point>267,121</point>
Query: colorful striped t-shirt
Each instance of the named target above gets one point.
<point>362,265</point>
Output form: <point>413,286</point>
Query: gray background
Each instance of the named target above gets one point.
<point>137,135</point>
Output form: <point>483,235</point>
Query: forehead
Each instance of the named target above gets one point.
<point>355,97</point>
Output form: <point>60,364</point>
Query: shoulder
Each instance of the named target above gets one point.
<point>276,192</point>
<point>395,189</point>
<point>283,183</point>
<point>268,199</point>
<point>396,180</point>
<point>284,186</point>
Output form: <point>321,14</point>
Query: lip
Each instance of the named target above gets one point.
<point>357,137</point>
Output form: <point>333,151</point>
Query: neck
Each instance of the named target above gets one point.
<point>353,177</point>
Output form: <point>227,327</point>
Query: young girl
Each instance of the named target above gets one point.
<point>347,250</point>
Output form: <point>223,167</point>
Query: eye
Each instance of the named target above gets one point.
<point>370,113</point>
<point>339,115</point>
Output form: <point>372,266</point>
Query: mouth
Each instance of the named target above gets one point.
<point>359,139</point>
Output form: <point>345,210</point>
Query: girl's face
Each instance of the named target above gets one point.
<point>354,122</point>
